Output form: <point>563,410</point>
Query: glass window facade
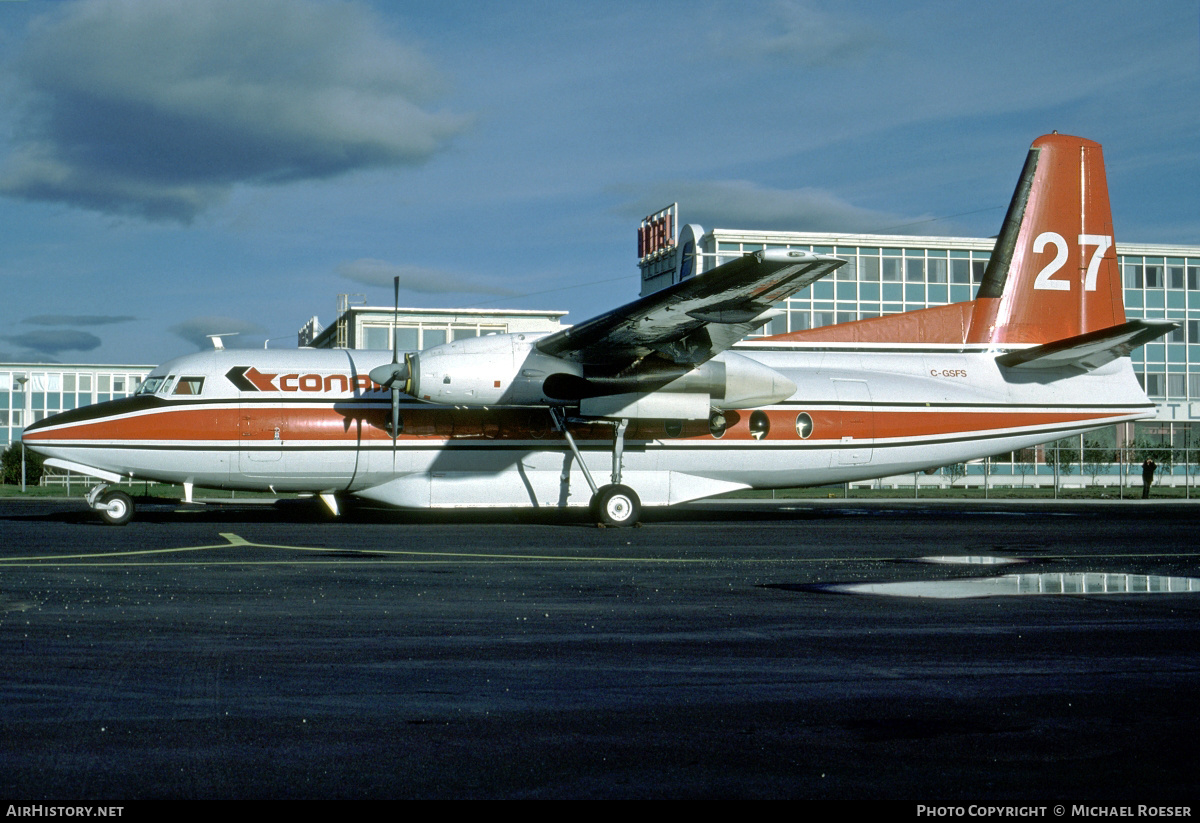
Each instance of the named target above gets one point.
<point>36,391</point>
<point>419,336</point>
<point>876,280</point>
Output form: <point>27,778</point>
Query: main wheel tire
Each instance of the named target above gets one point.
<point>118,508</point>
<point>616,506</point>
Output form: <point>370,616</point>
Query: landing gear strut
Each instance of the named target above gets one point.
<point>614,504</point>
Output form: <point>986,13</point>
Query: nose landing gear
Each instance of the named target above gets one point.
<point>115,507</point>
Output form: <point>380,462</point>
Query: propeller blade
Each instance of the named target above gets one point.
<point>395,416</point>
<point>396,320</point>
<point>398,371</point>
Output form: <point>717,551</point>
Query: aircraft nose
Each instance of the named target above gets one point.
<point>36,430</point>
<point>62,425</point>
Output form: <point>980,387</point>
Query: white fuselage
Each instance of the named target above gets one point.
<point>310,421</point>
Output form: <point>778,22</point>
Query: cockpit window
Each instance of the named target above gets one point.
<point>150,386</point>
<point>189,385</point>
<point>167,382</point>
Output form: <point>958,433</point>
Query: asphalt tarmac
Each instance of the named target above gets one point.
<point>267,652</point>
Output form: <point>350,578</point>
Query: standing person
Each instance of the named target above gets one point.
<point>1148,467</point>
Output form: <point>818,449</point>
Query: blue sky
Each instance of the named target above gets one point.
<point>173,168</point>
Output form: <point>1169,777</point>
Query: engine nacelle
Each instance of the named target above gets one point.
<point>728,381</point>
<point>495,370</point>
<point>734,381</point>
<point>507,370</point>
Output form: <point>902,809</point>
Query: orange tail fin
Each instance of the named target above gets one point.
<point>1054,271</point>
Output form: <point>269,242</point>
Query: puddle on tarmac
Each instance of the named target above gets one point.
<point>1076,583</point>
<point>968,560</point>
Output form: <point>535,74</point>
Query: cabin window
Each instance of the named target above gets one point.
<point>189,385</point>
<point>717,424</point>
<point>804,425</point>
<point>760,425</point>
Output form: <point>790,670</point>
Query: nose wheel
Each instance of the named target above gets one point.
<point>116,508</point>
<point>616,505</point>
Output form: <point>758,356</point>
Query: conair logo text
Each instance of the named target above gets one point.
<point>248,378</point>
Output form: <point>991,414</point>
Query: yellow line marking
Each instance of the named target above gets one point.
<point>92,556</point>
<point>434,557</point>
<point>236,540</point>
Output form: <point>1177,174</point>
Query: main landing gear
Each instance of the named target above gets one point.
<point>115,507</point>
<point>613,505</point>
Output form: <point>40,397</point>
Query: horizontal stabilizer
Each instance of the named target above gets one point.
<point>1090,350</point>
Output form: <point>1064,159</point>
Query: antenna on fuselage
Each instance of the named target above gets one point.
<point>218,344</point>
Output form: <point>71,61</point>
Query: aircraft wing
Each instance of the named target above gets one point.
<point>690,322</point>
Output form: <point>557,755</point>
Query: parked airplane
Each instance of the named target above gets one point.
<point>660,395</point>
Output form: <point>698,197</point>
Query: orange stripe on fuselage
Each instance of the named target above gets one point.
<point>887,425</point>
<point>255,424</point>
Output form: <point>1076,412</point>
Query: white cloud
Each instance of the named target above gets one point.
<point>54,342</point>
<point>801,33</point>
<point>158,108</point>
<point>78,319</point>
<point>196,330</point>
<point>740,204</point>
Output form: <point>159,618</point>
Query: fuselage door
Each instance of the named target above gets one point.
<point>857,427</point>
<point>261,431</point>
